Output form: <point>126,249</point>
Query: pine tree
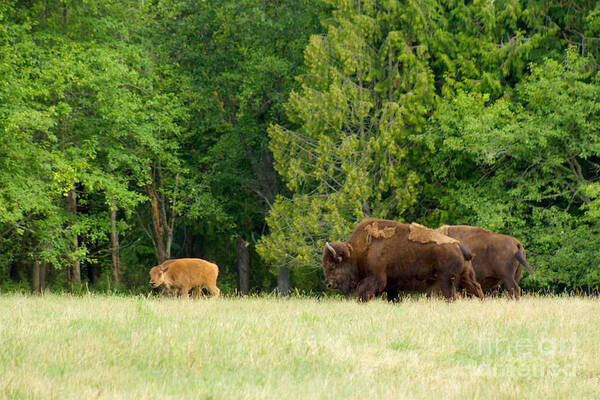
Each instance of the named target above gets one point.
<point>366,89</point>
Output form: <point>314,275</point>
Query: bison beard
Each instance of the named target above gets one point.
<point>379,255</point>
<point>497,258</point>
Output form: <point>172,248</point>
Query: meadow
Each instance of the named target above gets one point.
<point>111,347</point>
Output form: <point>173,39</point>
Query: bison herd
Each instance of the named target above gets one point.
<point>383,256</point>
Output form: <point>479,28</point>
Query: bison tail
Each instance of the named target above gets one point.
<point>465,252</point>
<point>520,256</point>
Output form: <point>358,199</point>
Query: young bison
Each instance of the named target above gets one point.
<point>181,275</point>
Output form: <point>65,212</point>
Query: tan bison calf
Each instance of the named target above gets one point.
<point>185,274</point>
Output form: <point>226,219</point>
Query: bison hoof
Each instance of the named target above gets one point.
<point>365,298</point>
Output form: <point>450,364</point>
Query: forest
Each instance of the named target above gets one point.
<point>249,133</point>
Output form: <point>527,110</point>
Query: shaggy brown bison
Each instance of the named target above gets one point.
<point>185,274</point>
<point>388,255</point>
<point>466,281</point>
<point>496,257</point>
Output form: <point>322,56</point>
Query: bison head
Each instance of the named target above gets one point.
<point>339,267</point>
<point>157,275</point>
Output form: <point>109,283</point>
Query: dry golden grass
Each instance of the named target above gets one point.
<point>62,347</point>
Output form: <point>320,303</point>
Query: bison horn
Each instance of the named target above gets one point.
<point>331,249</point>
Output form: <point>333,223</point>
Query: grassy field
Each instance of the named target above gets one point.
<point>63,347</point>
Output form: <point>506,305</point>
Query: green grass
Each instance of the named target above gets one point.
<point>63,347</point>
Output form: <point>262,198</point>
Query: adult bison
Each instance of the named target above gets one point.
<point>496,257</point>
<point>185,274</point>
<point>388,255</point>
<point>466,281</point>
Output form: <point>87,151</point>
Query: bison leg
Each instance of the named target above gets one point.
<point>468,282</point>
<point>518,271</point>
<point>370,286</point>
<point>196,292</point>
<point>185,292</point>
<point>214,290</point>
<point>393,294</point>
<point>429,292</point>
<point>447,285</point>
<point>169,291</point>
<point>514,291</point>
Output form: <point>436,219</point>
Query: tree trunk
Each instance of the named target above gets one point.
<point>269,177</point>
<point>39,277</point>
<point>114,238</point>
<point>37,285</point>
<point>159,231</point>
<point>170,225</point>
<point>243,264</point>
<point>43,270</point>
<point>163,224</point>
<point>75,275</point>
<point>283,281</point>
<point>263,169</point>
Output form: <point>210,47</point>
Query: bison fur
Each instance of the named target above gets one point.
<point>379,256</point>
<point>496,257</point>
<point>180,276</point>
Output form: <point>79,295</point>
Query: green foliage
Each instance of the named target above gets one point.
<point>78,110</point>
<point>111,98</point>
<point>239,59</point>
<point>239,123</point>
<point>528,165</point>
<point>363,93</point>
<point>443,112</point>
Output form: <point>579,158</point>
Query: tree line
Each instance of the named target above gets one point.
<point>250,132</point>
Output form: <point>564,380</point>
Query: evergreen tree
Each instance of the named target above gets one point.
<point>353,149</point>
<point>367,88</point>
<point>528,165</point>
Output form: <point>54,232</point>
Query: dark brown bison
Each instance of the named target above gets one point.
<point>388,255</point>
<point>496,257</point>
<point>185,274</point>
<point>466,281</point>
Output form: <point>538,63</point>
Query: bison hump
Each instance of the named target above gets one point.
<point>421,234</point>
<point>443,229</point>
<point>374,232</point>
